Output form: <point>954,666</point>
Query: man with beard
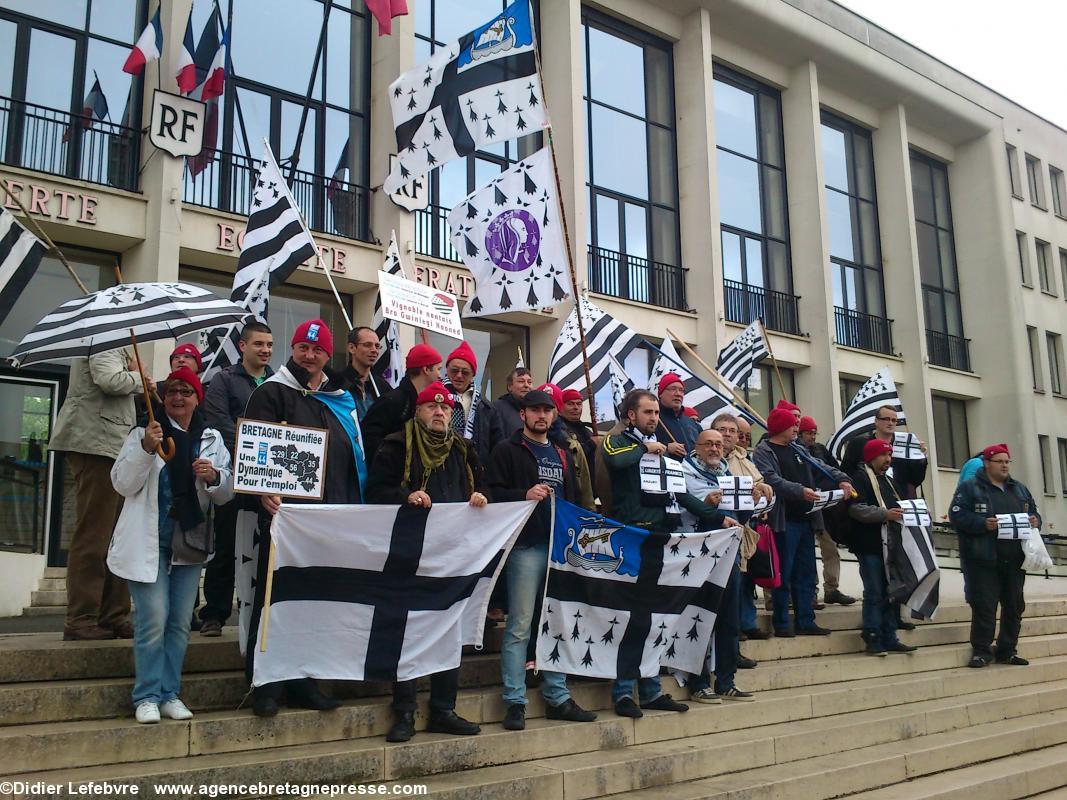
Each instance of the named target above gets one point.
<point>305,393</point>
<point>473,417</point>
<point>571,415</point>
<point>427,463</point>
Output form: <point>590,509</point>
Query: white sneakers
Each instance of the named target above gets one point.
<point>149,713</point>
<point>175,709</point>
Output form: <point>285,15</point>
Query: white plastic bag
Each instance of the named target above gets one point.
<point>1036,556</point>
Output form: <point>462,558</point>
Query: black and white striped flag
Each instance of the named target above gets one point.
<point>737,361</point>
<point>707,400</point>
<point>380,592</point>
<point>878,391</point>
<point>20,255</point>
<point>604,336</point>
<point>390,364</point>
<point>276,242</point>
<point>621,383</point>
<point>914,579</point>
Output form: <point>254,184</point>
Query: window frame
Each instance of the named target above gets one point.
<point>1063,270</point>
<point>1046,281</point>
<point>954,456</point>
<point>1024,259</point>
<point>1061,450</point>
<point>1013,171</point>
<point>1054,348</point>
<point>1044,447</point>
<point>1058,189</point>
<point>1035,359</point>
<point>1034,183</point>
<point>945,295</point>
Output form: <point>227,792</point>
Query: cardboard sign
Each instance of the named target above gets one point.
<point>422,306</point>
<point>274,458</point>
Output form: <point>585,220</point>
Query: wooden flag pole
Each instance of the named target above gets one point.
<point>774,361</point>
<point>718,377</point>
<point>266,597</point>
<point>45,237</point>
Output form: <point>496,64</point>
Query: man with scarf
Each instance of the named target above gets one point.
<point>306,393</point>
<point>702,469</point>
<point>676,429</point>
<point>631,458</point>
<point>571,416</point>
<point>875,506</point>
<point>473,417</point>
<point>427,463</point>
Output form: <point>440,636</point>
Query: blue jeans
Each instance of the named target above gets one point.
<point>161,628</point>
<point>525,574</point>
<point>747,603</point>
<point>727,635</point>
<point>879,615</point>
<point>648,689</point>
<point>796,557</point>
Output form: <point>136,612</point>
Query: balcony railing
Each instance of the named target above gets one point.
<point>432,234</point>
<point>863,331</point>
<point>745,303</point>
<point>950,351</point>
<point>635,278</point>
<point>60,143</point>
<point>328,205</point>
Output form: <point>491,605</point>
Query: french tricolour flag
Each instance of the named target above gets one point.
<point>185,70</point>
<point>148,48</point>
<point>216,74</point>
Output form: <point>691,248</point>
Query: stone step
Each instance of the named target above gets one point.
<point>82,744</point>
<point>52,585</point>
<point>44,611</point>
<point>55,572</point>
<point>49,598</point>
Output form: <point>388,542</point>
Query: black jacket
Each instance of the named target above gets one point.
<point>820,452</point>
<point>866,515</point>
<point>513,471</point>
<point>446,485</point>
<point>388,415</point>
<point>507,409</point>
<point>226,398</point>
<point>366,394</point>
<point>488,432</point>
<point>276,402</point>
<point>908,474</point>
<point>974,501</point>
<point>675,426</point>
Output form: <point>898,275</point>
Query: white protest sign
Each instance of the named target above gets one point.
<point>1013,526</point>
<point>916,513</point>
<point>286,460</point>
<point>659,475</point>
<point>906,445</point>
<point>413,303</point>
<point>827,500</point>
<point>736,493</point>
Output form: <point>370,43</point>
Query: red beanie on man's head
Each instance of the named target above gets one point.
<point>787,405</point>
<point>572,394</point>
<point>874,448</point>
<point>465,353</point>
<point>188,350</point>
<point>995,450</point>
<point>186,375</point>
<point>435,393</point>
<point>554,392</point>
<point>422,355</point>
<point>667,380</point>
<point>808,424</point>
<point>315,332</point>
<point>780,419</point>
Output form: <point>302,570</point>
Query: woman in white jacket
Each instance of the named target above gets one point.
<point>163,537</point>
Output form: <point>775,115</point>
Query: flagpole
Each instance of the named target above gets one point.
<point>770,352</point>
<point>47,239</point>
<point>718,377</point>
<point>294,160</point>
<point>252,289</point>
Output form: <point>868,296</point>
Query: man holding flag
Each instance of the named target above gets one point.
<point>676,428</point>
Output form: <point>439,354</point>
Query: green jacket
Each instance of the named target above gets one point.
<point>98,410</point>
<point>621,454</point>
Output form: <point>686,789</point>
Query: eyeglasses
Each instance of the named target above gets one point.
<point>1000,462</point>
<point>459,371</point>
<point>179,392</point>
<point>887,419</point>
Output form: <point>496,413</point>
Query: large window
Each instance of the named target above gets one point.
<point>750,158</point>
<point>634,249</point>
<point>265,99</point>
<point>937,264</point>
<point>52,57</point>
<point>855,254</point>
<point>1035,358</point>
<point>1059,191</point>
<point>1024,259</point>
<point>1044,269</point>
<point>770,392</point>
<point>438,23</point>
<point>950,428</point>
<point>1013,171</point>
<point>1046,465</point>
<point>1034,182</point>
<point>1054,345</point>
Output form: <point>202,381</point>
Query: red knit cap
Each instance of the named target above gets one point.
<point>186,375</point>
<point>464,352</point>
<point>787,405</point>
<point>808,424</point>
<point>572,394</point>
<point>188,350</point>
<point>995,450</point>
<point>875,448</point>
<point>435,393</point>
<point>667,380</point>
<point>315,332</point>
<point>780,419</point>
<point>689,411</point>
<point>554,392</point>
<point>422,355</point>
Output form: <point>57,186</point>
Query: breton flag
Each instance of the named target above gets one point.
<point>390,364</point>
<point>20,255</point>
<point>384,11</point>
<point>621,602</point>
<point>878,391</point>
<point>94,107</point>
<point>477,91</point>
<point>149,47</point>
<point>510,237</point>
<point>621,383</point>
<point>707,400</point>
<point>738,360</point>
<point>185,69</point>
<point>912,573</point>
<point>383,593</point>
<point>604,336</point>
<point>276,243</point>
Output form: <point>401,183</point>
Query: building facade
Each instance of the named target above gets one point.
<point>720,160</point>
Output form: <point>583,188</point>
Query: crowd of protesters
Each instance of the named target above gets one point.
<point>146,526</point>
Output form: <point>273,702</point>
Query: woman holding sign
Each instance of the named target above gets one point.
<point>164,536</point>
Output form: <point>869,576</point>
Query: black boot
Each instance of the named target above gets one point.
<point>403,727</point>
<point>306,693</point>
<point>265,700</point>
<point>451,722</point>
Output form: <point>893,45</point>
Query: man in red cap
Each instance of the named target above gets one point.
<point>571,415</point>
<point>425,463</point>
<point>186,355</point>
<point>875,505</point>
<point>388,415</point>
<point>473,417</point>
<point>792,479</point>
<point>677,430</point>
<point>307,393</point>
<point>831,559</point>
<point>993,566</point>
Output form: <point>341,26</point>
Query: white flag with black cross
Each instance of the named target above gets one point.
<point>879,390</point>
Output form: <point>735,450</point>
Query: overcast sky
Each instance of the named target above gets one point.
<point>1018,48</point>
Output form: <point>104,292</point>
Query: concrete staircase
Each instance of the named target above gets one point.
<point>51,595</point>
<point>828,722</point>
